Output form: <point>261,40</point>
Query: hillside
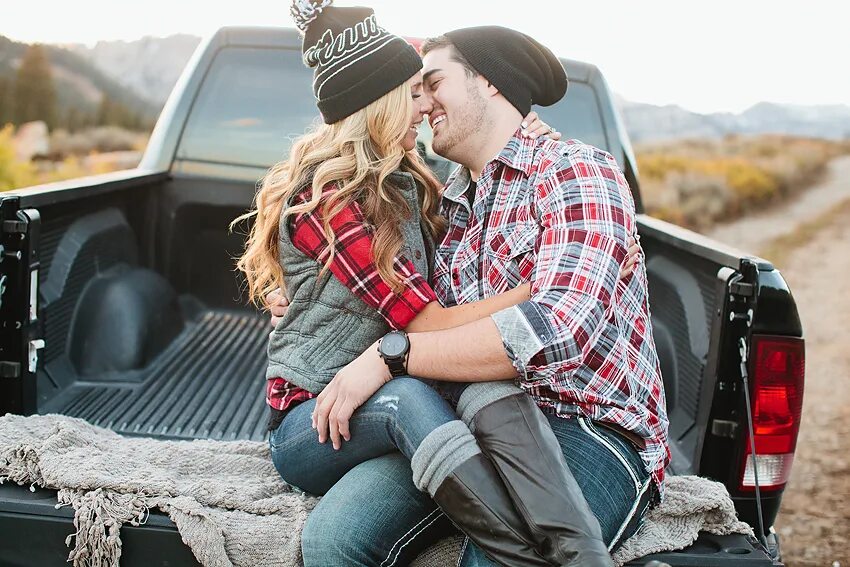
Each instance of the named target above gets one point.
<point>79,84</point>
<point>149,66</point>
<point>647,122</point>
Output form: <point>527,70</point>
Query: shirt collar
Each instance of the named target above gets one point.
<point>518,154</point>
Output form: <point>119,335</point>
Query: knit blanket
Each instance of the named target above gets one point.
<point>229,503</point>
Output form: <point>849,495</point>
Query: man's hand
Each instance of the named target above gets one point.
<point>277,304</point>
<point>634,255</point>
<point>348,390</point>
<point>533,127</point>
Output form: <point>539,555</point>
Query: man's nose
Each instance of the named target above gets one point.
<point>426,103</point>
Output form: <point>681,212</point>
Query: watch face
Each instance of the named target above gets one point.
<point>393,345</point>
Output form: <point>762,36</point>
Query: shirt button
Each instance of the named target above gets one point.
<point>418,255</point>
<point>455,276</point>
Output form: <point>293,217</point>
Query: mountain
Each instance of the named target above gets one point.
<point>147,69</point>
<point>647,122</point>
<point>78,83</point>
<point>149,66</point>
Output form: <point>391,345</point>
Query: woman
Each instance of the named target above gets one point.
<point>347,226</point>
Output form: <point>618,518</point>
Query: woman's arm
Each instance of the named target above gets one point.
<point>435,317</point>
<point>442,318</point>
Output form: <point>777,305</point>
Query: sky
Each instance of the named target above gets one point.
<point>719,56</point>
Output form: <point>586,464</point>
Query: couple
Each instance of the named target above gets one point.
<point>535,421</point>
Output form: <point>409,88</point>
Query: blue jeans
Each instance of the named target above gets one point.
<point>372,514</point>
<point>611,475</point>
<point>396,418</point>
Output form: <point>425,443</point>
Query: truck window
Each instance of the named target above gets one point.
<point>254,102</point>
<point>252,105</point>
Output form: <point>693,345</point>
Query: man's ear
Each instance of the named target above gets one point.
<point>489,89</point>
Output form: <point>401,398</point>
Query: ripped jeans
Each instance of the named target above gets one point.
<point>390,519</point>
<point>396,418</point>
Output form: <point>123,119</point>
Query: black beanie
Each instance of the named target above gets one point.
<point>523,70</point>
<point>356,61</point>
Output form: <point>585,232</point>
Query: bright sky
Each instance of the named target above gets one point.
<point>709,56</point>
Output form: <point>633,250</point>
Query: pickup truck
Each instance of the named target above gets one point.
<point>119,297</point>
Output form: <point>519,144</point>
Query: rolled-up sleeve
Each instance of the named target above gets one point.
<point>585,210</point>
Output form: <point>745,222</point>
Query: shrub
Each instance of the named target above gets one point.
<point>696,183</point>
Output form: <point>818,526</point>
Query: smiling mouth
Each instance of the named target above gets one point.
<point>439,120</point>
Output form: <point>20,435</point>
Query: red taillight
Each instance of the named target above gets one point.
<point>777,367</point>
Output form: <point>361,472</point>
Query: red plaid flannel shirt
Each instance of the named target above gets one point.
<point>558,215</point>
<point>354,266</point>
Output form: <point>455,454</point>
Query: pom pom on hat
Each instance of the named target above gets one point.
<point>305,11</point>
<point>354,60</point>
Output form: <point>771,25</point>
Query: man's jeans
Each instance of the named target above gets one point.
<point>371,512</point>
<point>611,475</point>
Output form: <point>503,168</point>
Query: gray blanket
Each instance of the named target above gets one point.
<point>229,503</point>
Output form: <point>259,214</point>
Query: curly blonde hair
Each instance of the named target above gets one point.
<point>357,154</point>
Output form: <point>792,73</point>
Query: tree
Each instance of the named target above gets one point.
<point>73,119</point>
<point>6,102</point>
<point>35,95</point>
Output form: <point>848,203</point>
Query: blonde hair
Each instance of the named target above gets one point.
<point>357,154</point>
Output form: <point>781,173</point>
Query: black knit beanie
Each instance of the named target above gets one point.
<point>356,61</point>
<point>523,70</point>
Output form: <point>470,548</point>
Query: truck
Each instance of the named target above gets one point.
<point>120,298</point>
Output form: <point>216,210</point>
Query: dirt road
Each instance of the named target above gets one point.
<point>755,232</point>
<point>814,522</point>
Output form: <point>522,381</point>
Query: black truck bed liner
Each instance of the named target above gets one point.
<point>200,386</point>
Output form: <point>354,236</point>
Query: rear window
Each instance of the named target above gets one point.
<point>255,102</point>
<point>251,106</point>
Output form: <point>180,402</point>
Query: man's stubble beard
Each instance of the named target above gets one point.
<point>469,120</point>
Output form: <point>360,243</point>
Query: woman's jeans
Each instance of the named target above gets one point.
<point>371,512</point>
<point>396,418</point>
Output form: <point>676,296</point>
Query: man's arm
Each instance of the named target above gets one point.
<point>470,353</point>
<point>586,214</point>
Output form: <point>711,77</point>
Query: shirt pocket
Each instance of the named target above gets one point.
<point>510,252</point>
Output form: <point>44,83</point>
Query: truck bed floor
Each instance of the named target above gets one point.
<point>200,387</point>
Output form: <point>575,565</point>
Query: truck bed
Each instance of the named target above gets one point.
<point>194,389</point>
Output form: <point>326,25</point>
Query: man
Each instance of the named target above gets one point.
<point>558,215</point>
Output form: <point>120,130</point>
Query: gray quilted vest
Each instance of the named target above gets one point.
<point>326,325</point>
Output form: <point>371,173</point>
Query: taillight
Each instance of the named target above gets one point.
<point>777,368</point>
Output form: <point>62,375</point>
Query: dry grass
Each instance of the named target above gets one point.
<point>99,150</point>
<point>695,183</point>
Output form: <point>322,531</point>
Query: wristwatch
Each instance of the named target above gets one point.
<point>393,349</point>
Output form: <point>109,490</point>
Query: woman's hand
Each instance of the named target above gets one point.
<point>634,255</point>
<point>277,304</point>
<point>533,127</point>
<point>348,390</point>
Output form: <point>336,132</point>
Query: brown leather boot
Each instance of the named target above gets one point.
<point>519,441</point>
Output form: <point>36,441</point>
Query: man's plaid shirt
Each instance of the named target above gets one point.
<point>558,214</point>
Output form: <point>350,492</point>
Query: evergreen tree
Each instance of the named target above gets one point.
<point>6,104</point>
<point>35,95</point>
<point>108,112</point>
<point>74,119</point>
